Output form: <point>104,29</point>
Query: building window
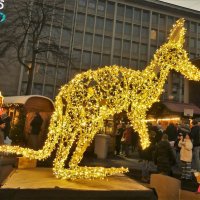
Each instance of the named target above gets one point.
<point>92,4</point>
<point>135,49</point>
<point>101,6</point>
<point>107,44</point>
<point>136,32</point>
<point>143,49</point>
<point>116,60</point>
<point>152,50</point>
<point>61,74</point>
<point>66,36</point>
<point>86,60</point>
<point>117,46</point>
<point>198,43</point>
<point>99,25</point>
<point>155,19</point>
<point>82,3</point>
<point>192,55</point>
<point>96,60</point>
<point>110,9</point>
<point>153,35</point>
<point>50,72</point>
<point>120,11</point>
<point>80,20</point>
<point>106,60</point>
<point>109,26</point>
<point>161,37</point>
<point>145,33</point>
<point>134,64</point>
<point>55,35</point>
<point>119,28</point>
<point>23,88</point>
<point>126,48</point>
<point>48,91</point>
<point>37,88</point>
<point>41,69</point>
<point>88,41</point>
<point>127,30</point>
<point>146,17</point>
<point>78,39</point>
<point>143,64</point>
<point>192,43</point>
<point>193,27</point>
<point>97,43</point>
<point>68,19</point>
<point>162,21</point>
<point>90,23</point>
<point>76,55</point>
<point>137,15</point>
<point>129,13</point>
<point>170,22</point>
<point>125,62</point>
<point>58,17</point>
<point>198,28</point>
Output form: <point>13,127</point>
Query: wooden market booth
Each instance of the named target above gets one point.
<point>21,110</point>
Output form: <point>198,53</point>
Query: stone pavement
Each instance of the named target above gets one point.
<point>133,163</point>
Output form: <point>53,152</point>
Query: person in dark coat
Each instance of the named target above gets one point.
<point>164,157</point>
<point>147,156</point>
<point>195,136</point>
<point>172,132</point>
<point>7,128</point>
<point>127,138</point>
<point>36,125</point>
<point>118,136</point>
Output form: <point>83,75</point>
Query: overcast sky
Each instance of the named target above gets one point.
<point>193,4</point>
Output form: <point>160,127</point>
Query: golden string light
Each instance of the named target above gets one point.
<point>86,101</point>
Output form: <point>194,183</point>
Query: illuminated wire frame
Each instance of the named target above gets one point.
<point>91,97</point>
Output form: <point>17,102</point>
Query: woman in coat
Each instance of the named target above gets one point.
<point>186,156</point>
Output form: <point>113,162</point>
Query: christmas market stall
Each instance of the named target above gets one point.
<point>21,111</point>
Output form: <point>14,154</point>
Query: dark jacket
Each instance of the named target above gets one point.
<point>164,157</point>
<point>36,124</point>
<point>195,135</point>
<point>172,132</point>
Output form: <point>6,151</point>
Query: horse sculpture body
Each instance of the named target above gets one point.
<point>91,97</point>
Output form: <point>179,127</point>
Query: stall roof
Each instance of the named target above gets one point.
<point>31,102</point>
<point>180,107</point>
<point>22,99</point>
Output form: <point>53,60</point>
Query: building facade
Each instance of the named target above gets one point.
<point>97,33</point>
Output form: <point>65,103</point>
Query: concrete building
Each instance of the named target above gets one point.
<point>96,33</point>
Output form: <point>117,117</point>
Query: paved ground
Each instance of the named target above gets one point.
<point>133,163</point>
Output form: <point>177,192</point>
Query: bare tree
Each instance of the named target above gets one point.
<point>27,31</point>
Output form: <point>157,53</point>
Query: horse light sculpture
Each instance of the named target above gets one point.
<point>86,101</point>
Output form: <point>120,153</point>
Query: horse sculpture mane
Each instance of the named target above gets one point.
<point>86,101</point>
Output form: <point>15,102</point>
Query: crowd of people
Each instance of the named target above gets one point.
<point>178,145</point>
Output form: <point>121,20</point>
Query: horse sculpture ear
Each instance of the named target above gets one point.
<point>177,33</point>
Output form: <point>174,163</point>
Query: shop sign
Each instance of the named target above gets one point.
<point>188,112</point>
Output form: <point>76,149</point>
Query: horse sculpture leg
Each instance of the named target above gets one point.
<point>139,124</point>
<point>77,172</point>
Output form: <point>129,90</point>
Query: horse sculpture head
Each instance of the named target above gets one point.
<point>172,55</point>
